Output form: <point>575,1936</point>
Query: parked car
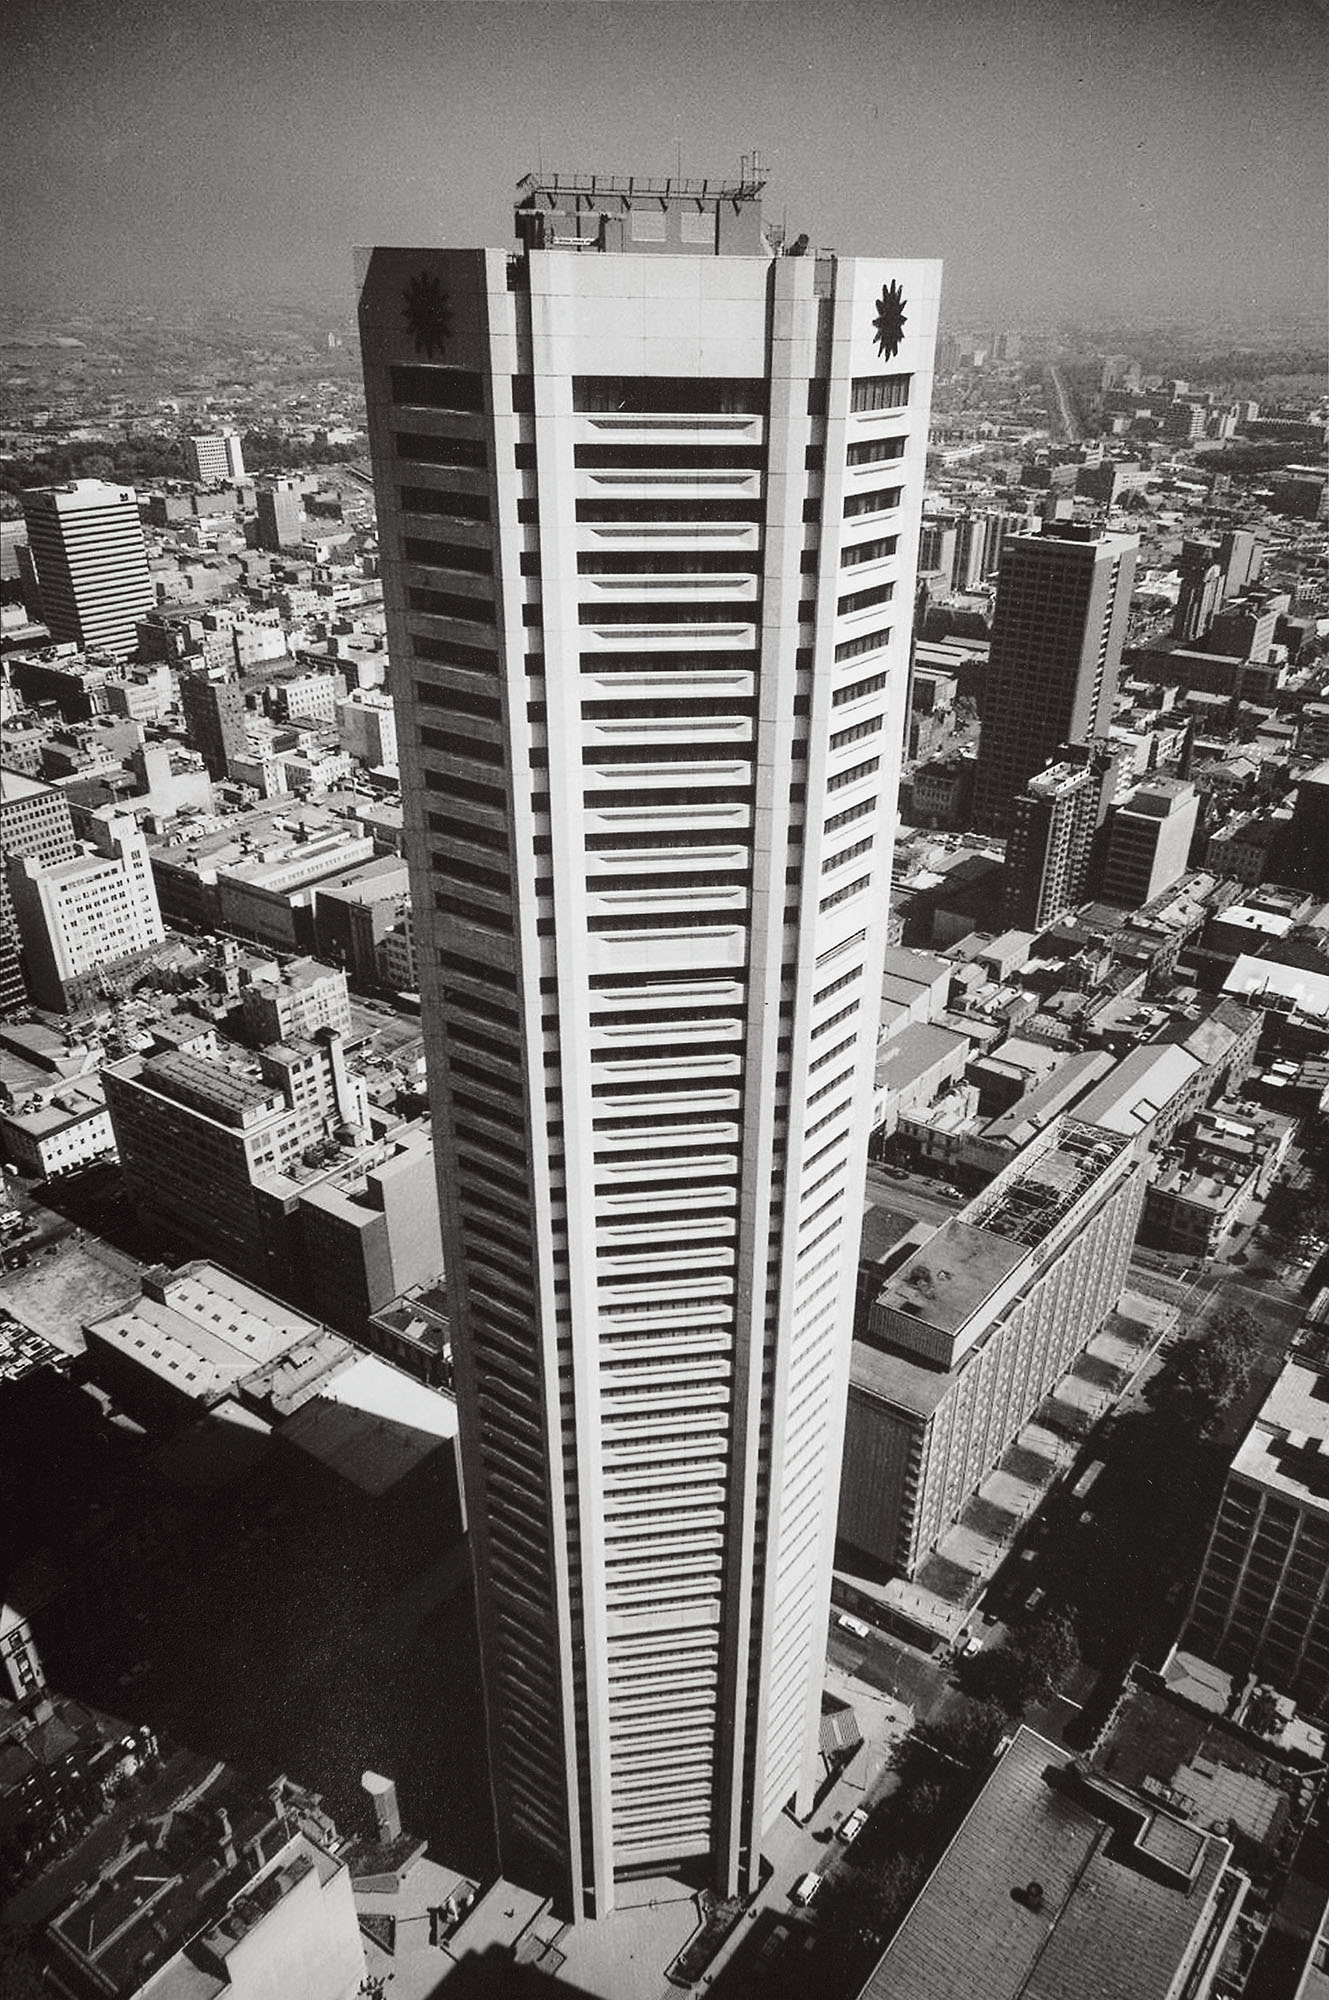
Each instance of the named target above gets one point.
<point>805,1888</point>
<point>853,1824</point>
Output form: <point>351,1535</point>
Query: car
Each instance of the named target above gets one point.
<point>774,1944</point>
<point>858,1626</point>
<point>852,1825</point>
<point>805,1888</point>
<point>971,1646</point>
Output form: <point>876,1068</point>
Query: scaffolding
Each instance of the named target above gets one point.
<point>1028,1208</point>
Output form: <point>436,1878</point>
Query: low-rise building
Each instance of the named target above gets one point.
<point>1058,1877</point>
<point>291,1006</point>
<point>63,1126</point>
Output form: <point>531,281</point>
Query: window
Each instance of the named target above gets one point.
<point>850,813</point>
<point>875,502</point>
<point>847,854</point>
<point>879,392</point>
<point>439,388</point>
<point>451,604</point>
<point>431,500</point>
<point>857,689</point>
<point>862,552</point>
<point>863,600</point>
<point>605,395</point>
<point>852,735</point>
<point>876,451</point>
<point>867,642</point>
<point>425,449</point>
<point>448,555</point>
<point>851,776</point>
<point>719,457</point>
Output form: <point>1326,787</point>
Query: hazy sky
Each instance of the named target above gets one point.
<point>1092,156</point>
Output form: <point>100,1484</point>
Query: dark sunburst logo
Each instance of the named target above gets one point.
<point>889,322</point>
<point>427,314</point>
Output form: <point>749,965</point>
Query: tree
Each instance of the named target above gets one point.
<point>1046,1652</point>
<point>1209,1374</point>
<point>972,1733</point>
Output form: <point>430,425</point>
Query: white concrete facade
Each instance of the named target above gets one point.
<point>92,565</point>
<point>650,694</point>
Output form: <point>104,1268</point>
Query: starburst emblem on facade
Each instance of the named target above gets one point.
<point>427,314</point>
<point>889,321</point>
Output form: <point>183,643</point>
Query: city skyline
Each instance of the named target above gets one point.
<point>1095,162</point>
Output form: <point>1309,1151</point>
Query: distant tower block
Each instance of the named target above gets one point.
<point>18,1655</point>
<point>386,1810</point>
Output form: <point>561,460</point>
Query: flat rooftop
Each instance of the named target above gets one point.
<point>1126,1893</point>
<point>1286,1450</point>
<point>946,1280</point>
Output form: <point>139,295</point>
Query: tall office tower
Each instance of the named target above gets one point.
<point>214,713</point>
<point>280,514</point>
<point>217,457</point>
<point>34,819</point>
<point>1063,598</point>
<point>92,569</point>
<point>648,498</point>
<point>1301,852</point>
<point>1056,821</point>
<point>1148,841</point>
<point>1199,592</point>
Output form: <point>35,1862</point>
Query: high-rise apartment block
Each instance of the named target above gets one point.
<point>217,458</point>
<point>280,514</point>
<point>1063,598</point>
<point>1055,825</point>
<point>86,923</point>
<point>1262,1602</point>
<point>649,497</point>
<point>214,712</point>
<point>963,1339</point>
<point>34,820</point>
<point>92,567</point>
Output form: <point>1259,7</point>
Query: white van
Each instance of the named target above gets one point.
<point>805,1888</point>
<point>854,1625</point>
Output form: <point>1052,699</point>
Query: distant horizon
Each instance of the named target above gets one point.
<point>1139,159</point>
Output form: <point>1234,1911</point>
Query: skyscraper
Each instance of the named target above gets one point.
<point>92,568</point>
<point>217,457</point>
<point>649,500</point>
<point>1057,630</point>
<point>280,514</point>
<point>1054,833</point>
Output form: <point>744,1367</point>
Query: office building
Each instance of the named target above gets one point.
<point>214,712</point>
<point>1060,1883</point>
<point>87,924</point>
<point>280,514</point>
<point>201,1131</point>
<point>92,568</point>
<point>1302,854</point>
<point>648,498</point>
<point>290,1005</point>
<point>367,725</point>
<point>1149,837</point>
<point>961,1341</point>
<point>1261,1604</point>
<point>1054,837</point>
<point>34,820</point>
<point>1057,631</point>
<point>217,458</point>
